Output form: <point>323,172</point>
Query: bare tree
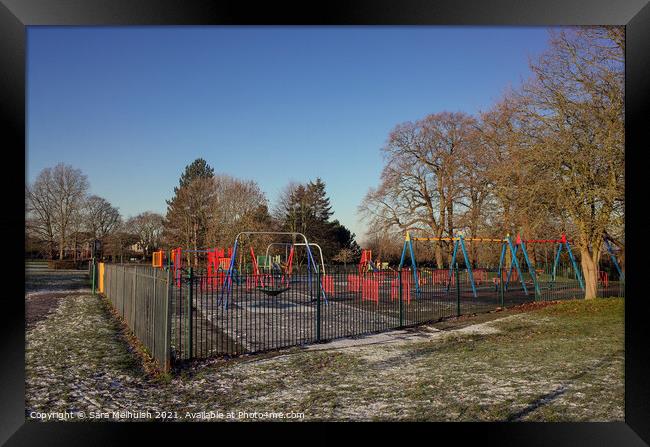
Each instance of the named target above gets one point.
<point>118,241</point>
<point>345,255</point>
<point>76,235</point>
<point>40,211</point>
<point>386,246</point>
<point>573,116</point>
<point>211,211</point>
<point>512,206</point>
<point>240,205</point>
<point>148,228</point>
<point>56,195</point>
<point>420,182</point>
<point>100,217</point>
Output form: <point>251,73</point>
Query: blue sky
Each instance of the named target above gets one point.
<point>131,107</point>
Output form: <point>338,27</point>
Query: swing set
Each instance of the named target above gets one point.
<point>562,243</point>
<point>459,242</point>
<point>612,255</point>
<point>269,284</point>
<point>290,256</point>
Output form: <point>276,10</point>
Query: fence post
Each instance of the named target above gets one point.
<point>457,292</point>
<point>93,273</point>
<point>621,287</point>
<point>189,312</point>
<point>401,302</point>
<point>501,297</point>
<point>123,290</point>
<point>152,311</point>
<point>167,334</point>
<point>134,298</point>
<point>318,315</point>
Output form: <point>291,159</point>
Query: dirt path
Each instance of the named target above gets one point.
<point>44,291</point>
<point>38,307</point>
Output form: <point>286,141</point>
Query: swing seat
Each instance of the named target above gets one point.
<point>271,291</point>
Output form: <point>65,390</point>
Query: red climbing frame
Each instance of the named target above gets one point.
<point>366,259</point>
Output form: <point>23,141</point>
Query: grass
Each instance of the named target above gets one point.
<point>563,362</point>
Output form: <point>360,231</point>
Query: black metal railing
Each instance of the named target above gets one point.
<point>192,314</point>
<point>220,315</point>
<point>141,296</point>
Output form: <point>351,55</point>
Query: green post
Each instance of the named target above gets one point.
<point>401,301</point>
<point>318,317</point>
<point>621,287</point>
<point>457,292</point>
<point>92,274</point>
<point>501,287</point>
<point>189,312</point>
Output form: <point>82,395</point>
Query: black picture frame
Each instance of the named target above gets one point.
<point>16,15</point>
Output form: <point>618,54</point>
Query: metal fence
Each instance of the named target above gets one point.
<point>141,295</point>
<point>253,313</point>
<point>191,314</point>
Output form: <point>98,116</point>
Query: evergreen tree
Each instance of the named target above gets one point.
<point>319,202</point>
<point>344,238</point>
<point>307,209</point>
<point>191,208</point>
<point>199,168</point>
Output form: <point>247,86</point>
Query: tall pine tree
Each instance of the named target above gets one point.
<point>191,208</point>
<point>199,168</point>
<point>308,210</point>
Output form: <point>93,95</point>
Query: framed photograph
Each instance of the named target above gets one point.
<point>360,212</point>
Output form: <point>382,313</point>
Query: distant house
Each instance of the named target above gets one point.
<point>136,248</point>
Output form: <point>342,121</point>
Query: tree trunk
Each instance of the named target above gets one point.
<point>589,265</point>
<point>196,245</point>
<point>61,246</point>
<point>439,259</point>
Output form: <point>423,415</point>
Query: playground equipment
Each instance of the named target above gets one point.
<point>272,288</point>
<point>612,255</point>
<point>563,242</point>
<point>370,277</point>
<point>459,241</point>
<point>216,261</point>
<point>266,282</point>
<point>520,243</point>
<point>366,264</point>
<point>157,259</point>
<point>291,253</point>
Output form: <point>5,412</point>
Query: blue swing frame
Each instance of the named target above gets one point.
<point>460,241</point>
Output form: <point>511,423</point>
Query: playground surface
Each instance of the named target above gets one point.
<point>538,362</point>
